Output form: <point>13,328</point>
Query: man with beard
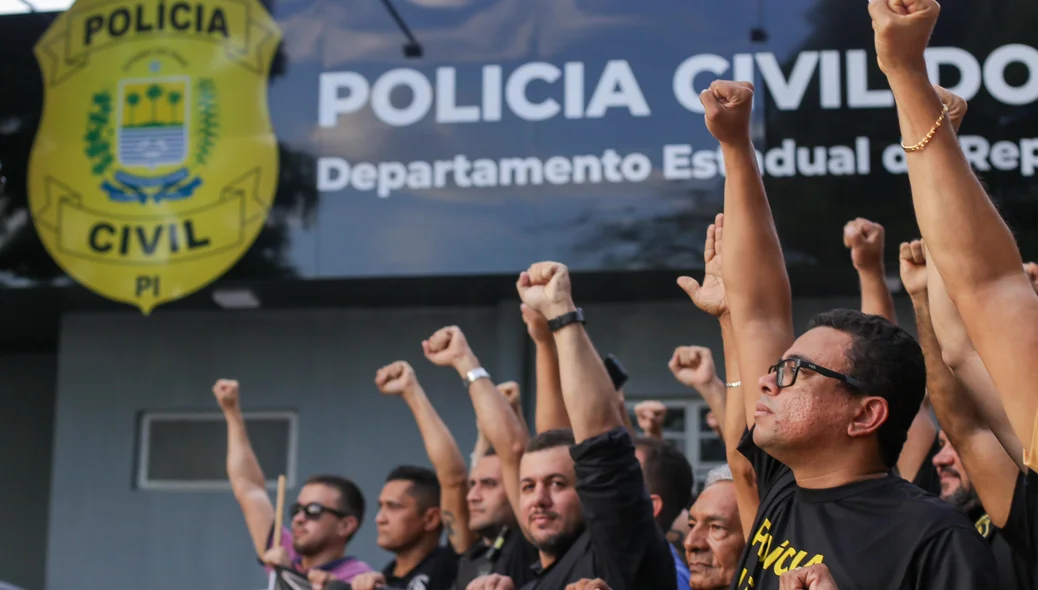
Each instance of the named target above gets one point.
<point>715,538</point>
<point>325,515</point>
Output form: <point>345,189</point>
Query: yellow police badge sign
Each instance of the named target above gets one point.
<point>155,164</point>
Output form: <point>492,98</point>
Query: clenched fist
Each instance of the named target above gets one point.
<point>491,582</point>
<point>903,29</point>
<point>864,239</point>
<point>813,577</point>
<point>913,267</point>
<point>536,325</point>
<point>651,415</point>
<point>728,105</point>
<point>693,366</point>
<point>545,288</point>
<point>510,389</point>
<point>277,556</point>
<point>447,347</point>
<point>396,379</point>
<point>226,392</point>
<point>586,584</point>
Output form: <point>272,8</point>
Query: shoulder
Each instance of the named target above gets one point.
<point>923,509</point>
<point>350,568</point>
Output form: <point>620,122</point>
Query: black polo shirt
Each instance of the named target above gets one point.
<point>622,543</point>
<point>436,572</point>
<point>510,554</point>
<point>1021,529</point>
<point>879,533</point>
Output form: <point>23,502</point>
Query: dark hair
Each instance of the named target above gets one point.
<point>351,500</point>
<point>668,474</point>
<point>888,362</point>
<point>425,488</point>
<point>490,452</point>
<point>550,439</point>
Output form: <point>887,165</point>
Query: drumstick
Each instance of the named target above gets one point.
<point>279,511</point>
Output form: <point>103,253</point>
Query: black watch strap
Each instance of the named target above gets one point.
<point>573,317</point>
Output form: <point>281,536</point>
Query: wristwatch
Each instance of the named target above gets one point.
<point>573,317</point>
<point>475,375</point>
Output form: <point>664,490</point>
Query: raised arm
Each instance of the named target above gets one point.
<point>755,279</point>
<point>509,389</point>
<point>243,469</point>
<point>864,239</point>
<point>990,468</point>
<point>494,415</point>
<point>966,237</point>
<point>550,410</point>
<point>399,379</point>
<point>710,296</point>
<point>960,356</point>
<point>693,366</point>
<point>587,390</point>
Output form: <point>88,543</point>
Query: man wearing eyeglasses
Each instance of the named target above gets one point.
<point>325,516</point>
<point>824,416</point>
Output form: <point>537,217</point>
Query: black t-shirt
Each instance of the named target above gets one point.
<point>927,477</point>
<point>436,572</point>
<point>878,534</point>
<point>622,543</point>
<point>1015,572</point>
<point>1021,529</point>
<point>509,555</point>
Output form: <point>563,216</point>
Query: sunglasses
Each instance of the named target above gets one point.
<point>313,510</point>
<point>786,371</point>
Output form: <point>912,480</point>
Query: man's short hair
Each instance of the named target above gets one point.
<point>888,363</point>
<point>668,475</point>
<point>718,475</point>
<point>351,500</point>
<point>490,452</point>
<point>550,439</point>
<point>425,488</point>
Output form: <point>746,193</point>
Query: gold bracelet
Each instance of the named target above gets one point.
<point>933,131</point>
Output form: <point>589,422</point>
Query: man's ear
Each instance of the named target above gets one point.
<point>871,414</point>
<point>348,526</point>
<point>432,519</point>
<point>657,505</point>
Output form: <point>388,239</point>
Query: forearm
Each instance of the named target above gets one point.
<point>875,296</point>
<point>586,387</point>
<point>550,409</point>
<point>715,397</point>
<point>443,451</point>
<point>494,415</point>
<point>737,416</point>
<point>964,233</point>
<point>243,469</point>
<point>754,272</point>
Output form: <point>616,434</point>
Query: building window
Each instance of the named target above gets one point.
<point>188,451</point>
<point>686,426</point>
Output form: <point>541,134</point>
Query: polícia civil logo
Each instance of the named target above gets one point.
<point>155,165</point>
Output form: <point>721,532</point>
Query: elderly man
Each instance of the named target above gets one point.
<point>715,539</point>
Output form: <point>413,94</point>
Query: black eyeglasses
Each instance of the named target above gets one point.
<point>786,371</point>
<point>313,510</point>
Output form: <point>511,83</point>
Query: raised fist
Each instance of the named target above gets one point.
<point>446,347</point>
<point>545,288</point>
<point>536,325</point>
<point>864,238</point>
<point>491,582</point>
<point>1032,273</point>
<point>709,296</point>
<point>903,29</point>
<point>957,106</point>
<point>728,105</point>
<point>693,366</point>
<point>396,379</point>
<point>812,577</point>
<point>913,267</point>
<point>586,584</point>
<point>510,389</point>
<point>226,392</point>
<point>651,416</point>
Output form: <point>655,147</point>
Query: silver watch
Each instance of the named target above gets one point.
<point>475,375</point>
